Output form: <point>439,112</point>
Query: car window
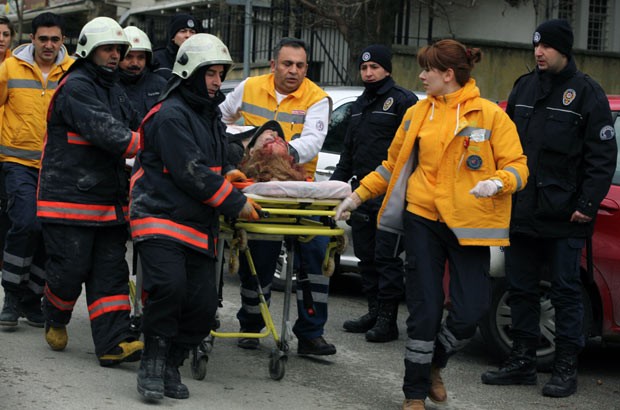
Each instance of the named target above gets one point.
<point>334,141</point>
<point>616,116</point>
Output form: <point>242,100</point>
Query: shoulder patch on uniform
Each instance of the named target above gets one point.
<point>388,103</point>
<point>607,133</point>
<point>568,96</point>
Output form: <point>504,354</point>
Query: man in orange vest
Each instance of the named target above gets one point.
<point>302,109</point>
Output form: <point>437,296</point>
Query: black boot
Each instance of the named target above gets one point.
<point>10,310</point>
<point>519,368</point>
<point>172,378</point>
<point>386,328</point>
<point>152,365</point>
<point>31,309</point>
<point>563,380</point>
<point>365,322</point>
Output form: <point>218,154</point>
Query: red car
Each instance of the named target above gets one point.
<point>601,291</point>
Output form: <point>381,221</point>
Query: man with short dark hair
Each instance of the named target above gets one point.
<point>302,109</point>
<point>28,80</point>
<point>565,125</point>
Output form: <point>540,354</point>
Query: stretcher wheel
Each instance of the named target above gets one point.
<point>199,366</point>
<point>277,364</point>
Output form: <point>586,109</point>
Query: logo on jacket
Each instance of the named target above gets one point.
<point>388,103</point>
<point>569,96</point>
<point>474,162</point>
<point>320,125</point>
<point>607,133</point>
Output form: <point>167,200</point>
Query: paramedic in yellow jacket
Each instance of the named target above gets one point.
<point>451,170</point>
<point>6,35</point>
<point>28,80</point>
<point>302,110</point>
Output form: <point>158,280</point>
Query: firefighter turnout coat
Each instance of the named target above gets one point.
<point>89,134</point>
<point>178,188</point>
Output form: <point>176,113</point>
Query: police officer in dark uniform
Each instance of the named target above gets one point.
<point>567,133</point>
<point>375,117</point>
<point>180,28</point>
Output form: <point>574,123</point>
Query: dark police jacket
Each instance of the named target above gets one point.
<point>163,60</point>
<point>374,121</point>
<point>89,135</point>
<point>566,130</point>
<point>178,190</point>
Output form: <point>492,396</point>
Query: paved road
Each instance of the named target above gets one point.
<point>360,376</point>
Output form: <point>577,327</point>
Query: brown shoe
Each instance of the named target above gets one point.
<point>437,393</point>
<point>413,404</point>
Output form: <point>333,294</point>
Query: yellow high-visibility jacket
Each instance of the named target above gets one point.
<point>25,96</point>
<point>460,139</point>
<point>260,105</point>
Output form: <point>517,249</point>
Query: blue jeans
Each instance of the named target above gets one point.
<point>24,257</point>
<point>525,259</point>
<point>265,256</point>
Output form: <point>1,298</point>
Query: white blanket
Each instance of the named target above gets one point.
<point>301,189</point>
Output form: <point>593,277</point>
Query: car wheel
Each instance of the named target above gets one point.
<point>495,327</point>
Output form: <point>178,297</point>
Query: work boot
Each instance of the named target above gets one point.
<point>250,343</point>
<point>519,368</point>
<point>365,322</point>
<point>386,328</point>
<point>56,336</point>
<point>172,378</point>
<point>31,310</point>
<point>563,380</point>
<point>10,309</point>
<point>127,351</point>
<point>317,346</point>
<point>152,367</point>
<point>437,393</point>
<point>413,404</point>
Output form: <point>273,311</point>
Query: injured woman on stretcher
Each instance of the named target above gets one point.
<point>266,159</point>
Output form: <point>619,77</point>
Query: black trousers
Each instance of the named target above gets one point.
<point>429,245</point>
<point>95,257</point>
<point>180,294</point>
<point>380,265</point>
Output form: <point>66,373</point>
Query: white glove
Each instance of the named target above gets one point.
<point>485,189</point>
<point>349,204</point>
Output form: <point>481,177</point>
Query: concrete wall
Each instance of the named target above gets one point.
<point>502,64</point>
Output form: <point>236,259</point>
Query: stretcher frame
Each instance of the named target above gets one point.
<point>282,219</point>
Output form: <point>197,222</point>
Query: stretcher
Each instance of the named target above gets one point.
<point>287,219</point>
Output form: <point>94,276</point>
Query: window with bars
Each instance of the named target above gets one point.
<point>566,10</point>
<point>598,24</point>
